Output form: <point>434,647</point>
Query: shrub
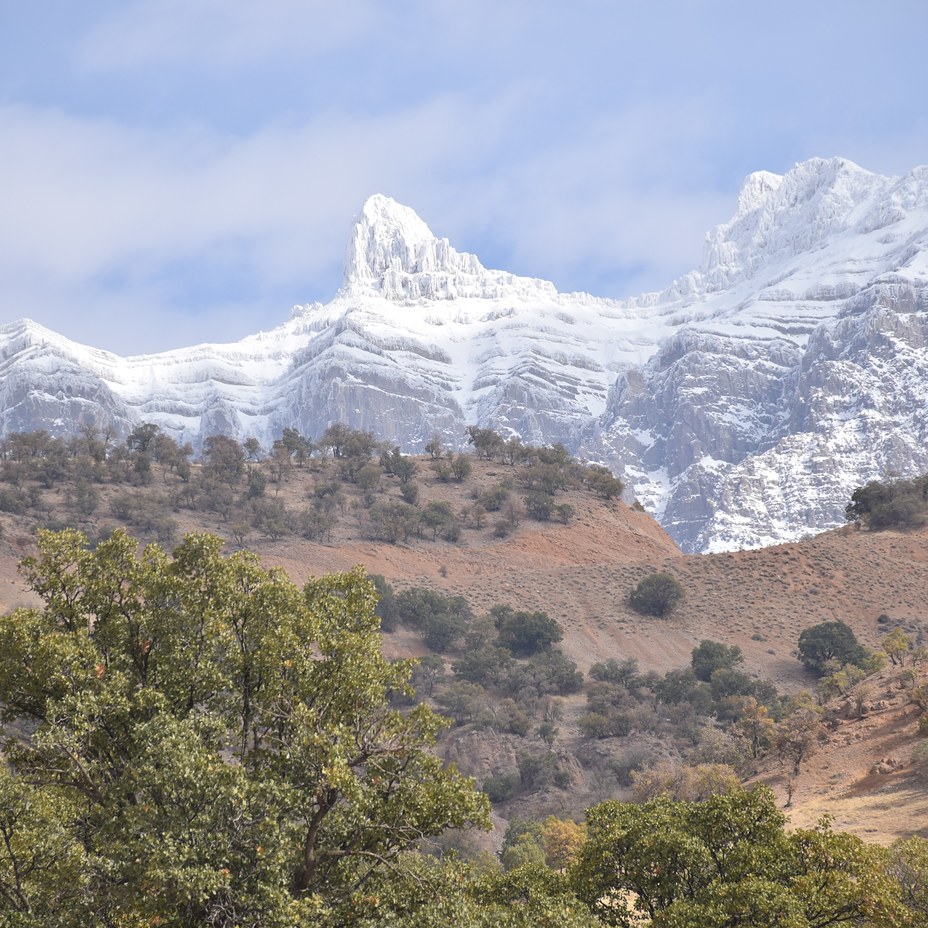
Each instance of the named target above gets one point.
<point>13,501</point>
<point>427,674</point>
<point>493,499</point>
<point>539,505</point>
<point>438,516</point>
<point>657,595</point>
<point>694,783</point>
<point>441,620</point>
<point>461,467</point>
<point>316,522</point>
<point>527,633</point>
<point>502,787</point>
<point>602,696</point>
<point>368,477</point>
<point>890,504</point>
<point>484,665</point>
<point>710,656</point>
<point>678,686</point>
<point>601,480</point>
<point>511,718</point>
<point>392,522</point>
<point>537,770</point>
<point>271,517</point>
<point>625,672</point>
<point>610,724</point>
<point>464,702</point>
<point>550,673</point>
<point>409,490</point>
<point>385,607</point>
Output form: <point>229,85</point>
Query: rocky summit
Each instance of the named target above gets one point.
<point>741,405</point>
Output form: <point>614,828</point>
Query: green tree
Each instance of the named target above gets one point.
<point>728,862</point>
<point>43,866</point>
<point>386,597</point>
<point>206,744</point>
<point>897,646</point>
<point>435,894</point>
<point>755,725</point>
<point>142,437</point>
<point>909,866</point>
<point>393,521</point>
<point>297,447</point>
<point>225,460</point>
<point>485,665</point>
<point>486,442</point>
<point>442,620</point>
<point>625,672</point>
<point>527,633</point>
<point>602,481</point>
<point>796,736</point>
<point>539,505</point>
<point>710,656</point>
<point>829,641</point>
<point>437,516</point>
<point>657,595</point>
<point>894,503</point>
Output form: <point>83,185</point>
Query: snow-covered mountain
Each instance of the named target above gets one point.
<point>742,404</point>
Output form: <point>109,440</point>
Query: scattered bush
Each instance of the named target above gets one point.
<point>526,633</point>
<point>502,788</point>
<point>890,504</point>
<point>710,656</point>
<point>657,595</point>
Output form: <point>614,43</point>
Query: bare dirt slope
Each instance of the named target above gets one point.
<point>866,774</point>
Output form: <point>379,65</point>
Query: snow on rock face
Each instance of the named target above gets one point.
<point>742,405</point>
<point>394,254</point>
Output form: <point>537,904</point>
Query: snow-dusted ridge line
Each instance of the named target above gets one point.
<point>742,403</point>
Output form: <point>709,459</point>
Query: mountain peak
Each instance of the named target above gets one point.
<point>393,252</point>
<point>755,189</point>
<point>780,217</point>
<point>386,236</point>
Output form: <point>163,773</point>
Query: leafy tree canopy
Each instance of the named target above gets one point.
<point>829,641</point>
<point>200,742</point>
<point>724,862</point>
<point>526,633</point>
<point>890,504</point>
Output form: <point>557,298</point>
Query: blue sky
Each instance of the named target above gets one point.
<point>174,171</point>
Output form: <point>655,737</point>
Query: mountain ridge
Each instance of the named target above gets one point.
<point>741,404</point>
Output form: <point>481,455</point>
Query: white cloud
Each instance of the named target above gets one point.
<point>592,145</point>
<point>614,207</point>
<point>94,207</point>
<point>191,225</point>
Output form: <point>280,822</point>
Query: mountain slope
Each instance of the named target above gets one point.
<point>742,404</point>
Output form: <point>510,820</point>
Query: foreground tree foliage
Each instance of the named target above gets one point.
<point>729,861</point>
<point>198,742</point>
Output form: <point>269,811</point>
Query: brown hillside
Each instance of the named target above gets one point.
<point>581,574</point>
<point>865,774</point>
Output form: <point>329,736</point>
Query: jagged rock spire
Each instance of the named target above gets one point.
<point>392,251</point>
